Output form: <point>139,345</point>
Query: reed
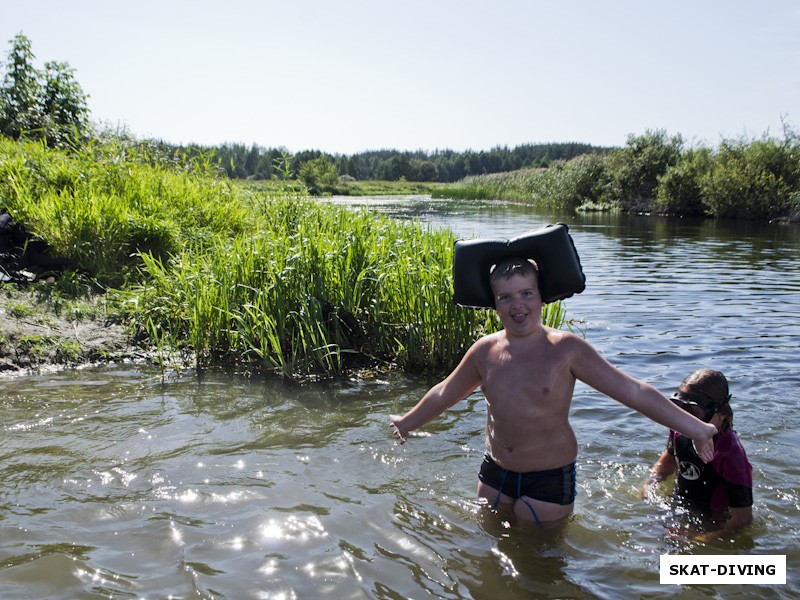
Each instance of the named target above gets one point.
<point>565,184</point>
<point>320,291</point>
<point>533,186</point>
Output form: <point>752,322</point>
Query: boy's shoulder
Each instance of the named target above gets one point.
<point>566,340</point>
<point>489,339</point>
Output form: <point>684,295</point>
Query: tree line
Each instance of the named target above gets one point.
<point>255,162</point>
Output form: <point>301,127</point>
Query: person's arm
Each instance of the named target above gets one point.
<point>457,386</point>
<point>591,368</point>
<point>665,466</point>
<point>739,517</point>
<point>740,507</point>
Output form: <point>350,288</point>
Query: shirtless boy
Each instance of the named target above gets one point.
<point>527,373</point>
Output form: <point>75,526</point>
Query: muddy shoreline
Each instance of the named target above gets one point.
<point>40,333</point>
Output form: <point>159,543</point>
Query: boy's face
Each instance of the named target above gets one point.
<point>518,302</point>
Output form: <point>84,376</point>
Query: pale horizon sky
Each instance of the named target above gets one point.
<point>355,75</point>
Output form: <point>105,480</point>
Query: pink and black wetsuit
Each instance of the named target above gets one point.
<point>727,481</point>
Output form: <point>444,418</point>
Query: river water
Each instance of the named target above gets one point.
<point>119,482</point>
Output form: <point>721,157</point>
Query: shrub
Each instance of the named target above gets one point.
<point>636,169</point>
<point>753,180</point>
<point>319,175</point>
<point>679,189</point>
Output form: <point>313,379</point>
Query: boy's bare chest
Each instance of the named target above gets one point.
<point>525,373</point>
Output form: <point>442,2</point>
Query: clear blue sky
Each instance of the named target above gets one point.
<point>355,75</point>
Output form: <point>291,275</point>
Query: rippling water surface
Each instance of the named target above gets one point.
<point>118,482</point>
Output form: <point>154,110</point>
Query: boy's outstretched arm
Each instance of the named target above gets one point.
<point>461,382</point>
<point>651,403</point>
<point>594,370</point>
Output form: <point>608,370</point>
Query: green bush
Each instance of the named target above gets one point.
<point>637,168</point>
<point>319,175</point>
<point>753,180</point>
<point>679,190</point>
<point>742,179</point>
<point>583,180</point>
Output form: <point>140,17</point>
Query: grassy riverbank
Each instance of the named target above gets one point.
<point>563,184</point>
<point>352,187</point>
<point>255,280</point>
<point>740,179</point>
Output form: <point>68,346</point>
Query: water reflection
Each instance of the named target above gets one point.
<point>118,482</point>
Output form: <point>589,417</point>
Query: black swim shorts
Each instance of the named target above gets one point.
<point>553,485</point>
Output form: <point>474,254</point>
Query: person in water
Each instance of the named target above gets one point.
<point>527,373</point>
<point>721,490</point>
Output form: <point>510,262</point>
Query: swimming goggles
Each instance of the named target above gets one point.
<point>702,410</point>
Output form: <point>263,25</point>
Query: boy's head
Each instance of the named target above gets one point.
<point>509,267</point>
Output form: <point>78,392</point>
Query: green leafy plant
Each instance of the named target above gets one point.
<point>48,105</point>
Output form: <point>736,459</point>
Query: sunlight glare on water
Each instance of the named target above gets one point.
<point>118,482</point>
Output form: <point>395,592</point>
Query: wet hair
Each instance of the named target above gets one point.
<point>710,388</point>
<point>513,266</point>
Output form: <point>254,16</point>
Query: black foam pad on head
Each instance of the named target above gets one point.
<point>560,272</point>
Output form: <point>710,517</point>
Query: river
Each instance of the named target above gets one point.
<point>119,482</point>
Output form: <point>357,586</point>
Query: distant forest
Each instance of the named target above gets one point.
<point>242,162</point>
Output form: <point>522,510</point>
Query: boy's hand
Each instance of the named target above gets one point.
<point>704,445</point>
<point>397,429</point>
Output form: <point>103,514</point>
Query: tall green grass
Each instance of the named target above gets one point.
<point>319,291</point>
<point>268,281</point>
<point>564,184</point>
<point>105,204</point>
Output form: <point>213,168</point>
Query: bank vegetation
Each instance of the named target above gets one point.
<point>755,179</point>
<point>270,281</point>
